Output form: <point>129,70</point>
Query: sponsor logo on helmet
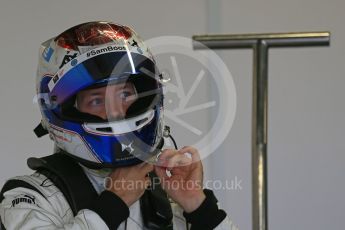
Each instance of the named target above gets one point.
<point>60,136</point>
<point>128,147</point>
<point>74,62</point>
<point>104,50</point>
<point>47,53</point>
<point>134,43</point>
<point>67,58</point>
<point>55,78</point>
<point>140,50</point>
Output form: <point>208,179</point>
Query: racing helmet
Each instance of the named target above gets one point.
<point>95,55</point>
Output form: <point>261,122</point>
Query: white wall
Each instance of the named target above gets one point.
<point>306,115</point>
<point>306,109</point>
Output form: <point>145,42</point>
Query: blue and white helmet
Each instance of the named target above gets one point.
<point>96,54</point>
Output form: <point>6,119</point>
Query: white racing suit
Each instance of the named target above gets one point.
<point>47,208</point>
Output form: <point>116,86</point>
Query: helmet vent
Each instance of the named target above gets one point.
<point>138,123</point>
<point>105,129</point>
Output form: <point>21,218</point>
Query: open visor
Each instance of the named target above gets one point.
<point>93,67</point>
<point>95,70</point>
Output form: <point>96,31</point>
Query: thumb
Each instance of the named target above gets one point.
<point>160,171</point>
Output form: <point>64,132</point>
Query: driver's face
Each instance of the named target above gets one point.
<point>108,102</point>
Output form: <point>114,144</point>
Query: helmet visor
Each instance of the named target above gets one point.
<point>120,84</point>
<point>97,66</point>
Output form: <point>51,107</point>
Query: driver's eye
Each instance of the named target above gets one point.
<point>125,94</point>
<point>96,102</point>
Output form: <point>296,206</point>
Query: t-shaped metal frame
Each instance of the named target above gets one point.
<point>260,43</point>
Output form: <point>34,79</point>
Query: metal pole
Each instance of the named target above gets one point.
<point>260,43</point>
<point>259,135</point>
<point>238,41</point>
